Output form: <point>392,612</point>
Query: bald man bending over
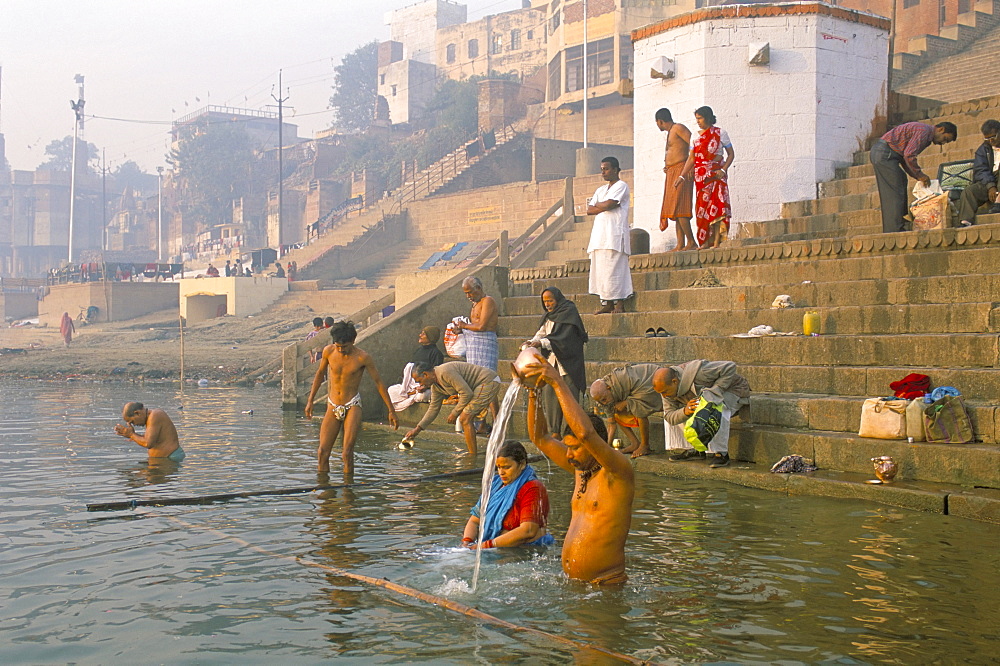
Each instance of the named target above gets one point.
<point>160,438</point>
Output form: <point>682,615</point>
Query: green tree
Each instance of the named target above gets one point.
<point>60,155</point>
<point>214,163</point>
<point>355,87</point>
<point>129,174</point>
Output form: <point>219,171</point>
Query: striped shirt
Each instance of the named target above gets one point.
<point>909,140</point>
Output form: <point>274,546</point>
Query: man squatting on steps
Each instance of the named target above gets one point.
<point>342,366</point>
<point>985,174</point>
<point>601,508</point>
<point>894,156</point>
<point>624,393</point>
<point>610,244</point>
<point>680,386</point>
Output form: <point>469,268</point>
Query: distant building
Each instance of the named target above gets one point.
<point>415,27</point>
<point>508,43</point>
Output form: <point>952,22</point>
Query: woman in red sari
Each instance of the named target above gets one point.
<point>711,155</point>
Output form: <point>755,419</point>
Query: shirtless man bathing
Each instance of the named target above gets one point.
<point>343,365</point>
<point>594,548</point>
<point>161,436</point>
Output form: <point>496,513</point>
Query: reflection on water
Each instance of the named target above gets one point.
<point>717,573</point>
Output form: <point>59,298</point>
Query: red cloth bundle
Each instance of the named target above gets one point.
<point>911,386</point>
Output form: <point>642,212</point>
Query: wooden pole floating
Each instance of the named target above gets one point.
<point>442,602</point>
<point>225,497</point>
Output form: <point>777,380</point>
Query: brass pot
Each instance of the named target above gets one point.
<point>528,356</point>
<point>885,468</point>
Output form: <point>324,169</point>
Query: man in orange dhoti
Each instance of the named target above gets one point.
<point>676,198</point>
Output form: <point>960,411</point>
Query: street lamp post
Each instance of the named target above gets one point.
<point>77,107</point>
<point>159,214</point>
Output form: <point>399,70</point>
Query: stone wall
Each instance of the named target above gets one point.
<point>244,296</point>
<point>115,301</point>
<point>611,124</point>
<point>792,120</point>
<point>481,215</point>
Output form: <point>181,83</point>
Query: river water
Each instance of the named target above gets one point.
<point>718,573</point>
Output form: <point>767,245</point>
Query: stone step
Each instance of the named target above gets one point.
<point>842,320</point>
<point>830,205</point>
<point>960,350</point>
<point>843,414</point>
<point>895,291</point>
<point>824,261</point>
<point>969,465</point>
<point>977,384</point>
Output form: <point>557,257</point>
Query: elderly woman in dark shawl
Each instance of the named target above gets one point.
<point>561,336</point>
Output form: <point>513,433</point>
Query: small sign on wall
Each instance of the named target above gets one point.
<point>488,215</point>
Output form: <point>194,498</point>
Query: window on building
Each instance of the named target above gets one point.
<point>381,79</point>
<point>555,77</point>
<point>627,60</point>
<point>473,48</point>
<point>496,44</point>
<point>515,39</point>
<point>531,35</point>
<point>394,91</point>
<point>556,17</point>
<point>910,3</point>
<point>600,64</point>
<point>449,53</point>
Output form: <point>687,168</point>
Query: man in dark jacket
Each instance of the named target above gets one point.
<point>983,188</point>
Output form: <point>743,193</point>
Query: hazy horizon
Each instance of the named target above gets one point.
<point>148,64</point>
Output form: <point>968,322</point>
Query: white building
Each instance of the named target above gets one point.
<point>808,101</point>
<point>415,27</point>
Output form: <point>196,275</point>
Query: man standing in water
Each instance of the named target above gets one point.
<point>343,365</point>
<point>594,549</point>
<point>161,436</point>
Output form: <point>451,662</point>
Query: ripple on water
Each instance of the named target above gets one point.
<point>717,573</point>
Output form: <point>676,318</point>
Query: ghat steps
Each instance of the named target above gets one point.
<point>890,304</point>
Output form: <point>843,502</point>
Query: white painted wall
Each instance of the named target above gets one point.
<point>792,122</point>
<point>416,25</point>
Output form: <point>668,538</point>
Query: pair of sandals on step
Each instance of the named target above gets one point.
<point>657,333</point>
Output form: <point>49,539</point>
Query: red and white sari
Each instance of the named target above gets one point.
<point>712,197</point>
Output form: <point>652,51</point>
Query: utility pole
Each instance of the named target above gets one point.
<point>159,214</point>
<point>77,107</point>
<point>281,163</point>
<point>104,199</point>
<point>586,87</point>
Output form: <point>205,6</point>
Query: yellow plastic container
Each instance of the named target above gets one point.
<point>810,323</point>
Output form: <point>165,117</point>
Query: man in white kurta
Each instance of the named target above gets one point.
<point>609,245</point>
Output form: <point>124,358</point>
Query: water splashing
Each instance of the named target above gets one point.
<point>497,437</point>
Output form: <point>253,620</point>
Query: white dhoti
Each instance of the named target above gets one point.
<point>610,277</point>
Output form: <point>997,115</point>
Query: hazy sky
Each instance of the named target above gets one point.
<point>147,63</point>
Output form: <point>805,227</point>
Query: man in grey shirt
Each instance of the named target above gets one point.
<point>475,386</point>
<point>680,387</point>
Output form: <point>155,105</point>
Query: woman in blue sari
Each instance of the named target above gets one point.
<point>518,508</point>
